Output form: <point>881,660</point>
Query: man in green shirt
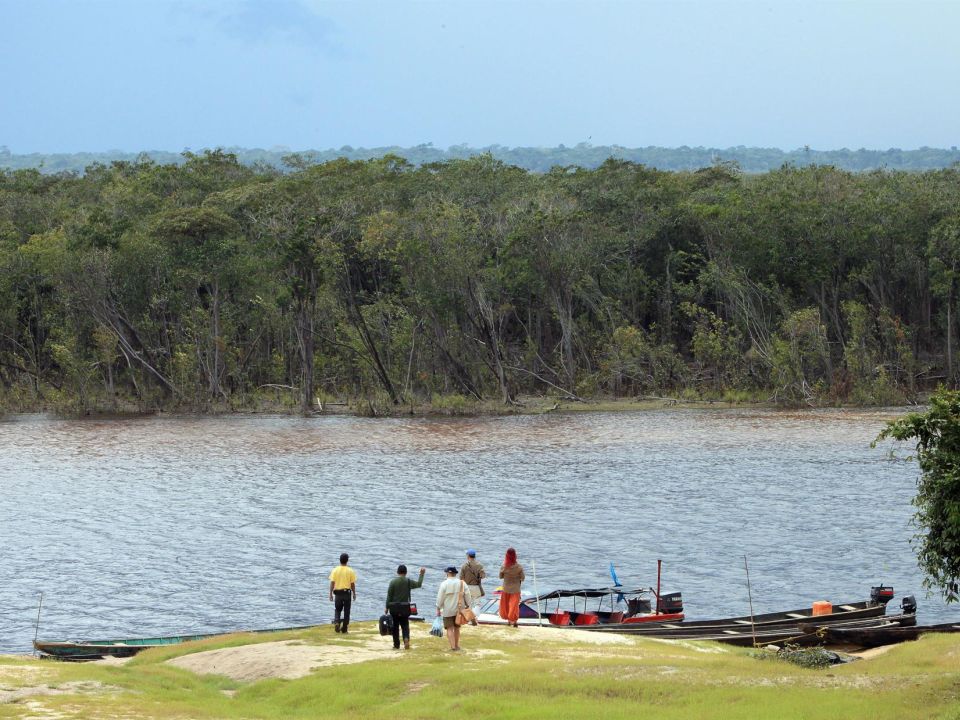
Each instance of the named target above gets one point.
<point>398,604</point>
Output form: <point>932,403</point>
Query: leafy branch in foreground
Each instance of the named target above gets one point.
<point>937,435</point>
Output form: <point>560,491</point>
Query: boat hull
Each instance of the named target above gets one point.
<point>636,621</point>
<point>869,637</point>
<point>788,619</point>
<point>802,635</point>
<point>127,647</point>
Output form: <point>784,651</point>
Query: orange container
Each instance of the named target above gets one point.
<point>822,607</point>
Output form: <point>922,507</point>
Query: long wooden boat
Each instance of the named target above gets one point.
<point>793,634</point>
<point>796,633</point>
<point>593,607</point>
<point>868,637</point>
<point>596,610</point>
<point>842,612</point>
<point>127,647</point>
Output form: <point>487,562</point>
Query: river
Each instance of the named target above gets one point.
<point>181,524</point>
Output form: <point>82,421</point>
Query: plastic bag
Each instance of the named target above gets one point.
<point>437,629</point>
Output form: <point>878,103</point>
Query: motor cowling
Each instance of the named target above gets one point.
<point>881,594</point>
<point>909,605</point>
<point>670,603</point>
<point>638,606</point>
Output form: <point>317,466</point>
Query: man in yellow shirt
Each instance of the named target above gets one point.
<point>343,588</point>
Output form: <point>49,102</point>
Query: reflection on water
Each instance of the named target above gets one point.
<point>148,526</point>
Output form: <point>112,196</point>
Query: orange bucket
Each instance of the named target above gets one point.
<point>822,607</point>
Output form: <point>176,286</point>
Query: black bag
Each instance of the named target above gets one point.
<point>386,625</point>
<point>403,609</point>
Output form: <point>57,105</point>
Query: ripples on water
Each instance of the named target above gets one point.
<point>169,525</point>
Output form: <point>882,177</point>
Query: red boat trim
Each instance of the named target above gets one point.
<point>662,617</point>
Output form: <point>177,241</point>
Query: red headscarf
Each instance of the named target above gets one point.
<point>510,558</point>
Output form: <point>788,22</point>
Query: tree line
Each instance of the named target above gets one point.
<point>209,284</point>
<point>537,159</point>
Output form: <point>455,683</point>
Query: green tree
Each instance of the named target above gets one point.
<point>944,253</point>
<point>204,244</point>
<point>799,358</point>
<point>937,436</point>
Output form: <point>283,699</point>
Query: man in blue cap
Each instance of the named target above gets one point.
<point>472,573</point>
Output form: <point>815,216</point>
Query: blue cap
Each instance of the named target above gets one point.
<point>472,553</point>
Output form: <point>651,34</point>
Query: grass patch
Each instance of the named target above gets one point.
<point>503,677</point>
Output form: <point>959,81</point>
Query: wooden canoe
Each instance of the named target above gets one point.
<point>798,634</point>
<point>126,647</point>
<point>868,637</point>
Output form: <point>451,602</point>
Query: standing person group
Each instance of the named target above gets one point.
<point>456,597</point>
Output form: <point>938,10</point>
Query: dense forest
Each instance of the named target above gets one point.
<point>537,159</point>
<point>209,284</point>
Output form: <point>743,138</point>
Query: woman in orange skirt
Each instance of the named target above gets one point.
<point>512,573</point>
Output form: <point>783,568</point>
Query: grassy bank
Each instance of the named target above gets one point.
<point>438,406</point>
<point>502,674</point>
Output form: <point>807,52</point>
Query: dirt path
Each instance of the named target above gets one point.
<point>532,633</point>
<point>293,659</point>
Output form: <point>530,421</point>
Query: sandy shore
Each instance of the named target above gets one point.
<point>293,659</point>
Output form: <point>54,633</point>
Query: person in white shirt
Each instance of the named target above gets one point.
<point>450,599</point>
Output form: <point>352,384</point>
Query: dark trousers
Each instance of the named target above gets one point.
<point>341,606</point>
<point>401,621</point>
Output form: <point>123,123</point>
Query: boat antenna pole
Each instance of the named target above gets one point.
<point>659,566</point>
<point>536,591</point>
<point>753,624</point>
<point>36,626</point>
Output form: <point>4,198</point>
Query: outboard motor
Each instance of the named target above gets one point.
<point>637,606</point>
<point>909,605</point>
<point>671,603</point>
<point>881,594</point>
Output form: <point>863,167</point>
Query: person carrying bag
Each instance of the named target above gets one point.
<point>449,604</point>
<point>399,607</point>
<point>465,614</point>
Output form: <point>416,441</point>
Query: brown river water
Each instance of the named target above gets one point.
<point>180,524</point>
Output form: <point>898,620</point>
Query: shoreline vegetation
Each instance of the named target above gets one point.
<point>468,285</point>
<point>454,407</point>
<point>502,673</point>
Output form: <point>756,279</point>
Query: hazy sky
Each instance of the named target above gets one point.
<point>172,74</point>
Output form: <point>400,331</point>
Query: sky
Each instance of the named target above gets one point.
<point>94,75</point>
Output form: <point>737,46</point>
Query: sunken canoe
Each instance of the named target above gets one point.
<point>127,647</point>
<point>868,637</point>
<point>790,634</point>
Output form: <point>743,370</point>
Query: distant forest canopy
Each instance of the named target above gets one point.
<point>536,159</point>
<point>210,284</point>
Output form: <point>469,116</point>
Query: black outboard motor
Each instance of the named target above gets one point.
<point>881,594</point>
<point>909,605</point>
<point>670,603</point>
<point>636,606</point>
